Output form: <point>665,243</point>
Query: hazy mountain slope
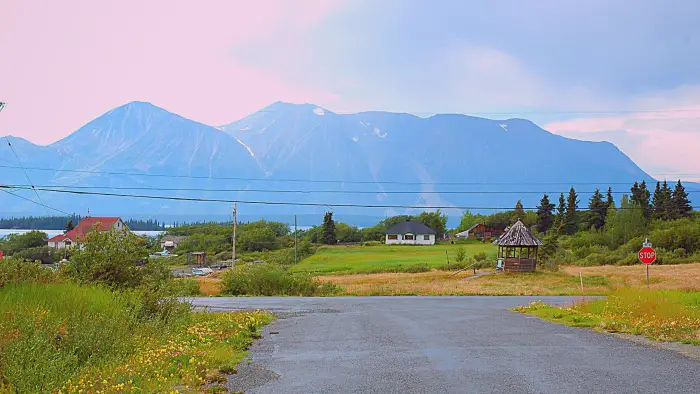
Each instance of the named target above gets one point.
<point>447,160</point>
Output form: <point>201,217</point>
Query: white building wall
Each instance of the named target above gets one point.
<point>417,240</point>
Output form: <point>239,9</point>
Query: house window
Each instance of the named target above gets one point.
<point>408,237</point>
<point>426,238</point>
<point>392,236</point>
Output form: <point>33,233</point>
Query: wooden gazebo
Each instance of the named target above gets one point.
<point>517,249</point>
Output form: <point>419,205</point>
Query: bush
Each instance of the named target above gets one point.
<point>372,243</point>
<point>13,270</point>
<point>417,268</point>
<point>109,258</point>
<point>481,256</point>
<point>269,279</point>
<point>461,254</point>
<point>14,243</point>
<point>44,254</point>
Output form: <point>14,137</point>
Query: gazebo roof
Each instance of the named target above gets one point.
<point>518,235</point>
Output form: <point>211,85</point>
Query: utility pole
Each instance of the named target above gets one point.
<point>295,239</point>
<point>233,258</point>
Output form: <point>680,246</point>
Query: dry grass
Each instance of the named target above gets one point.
<point>596,280</point>
<point>209,285</point>
<point>443,283</point>
<point>662,277</point>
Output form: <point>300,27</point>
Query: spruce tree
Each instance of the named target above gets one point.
<point>559,219</point>
<point>597,209</point>
<point>640,197</point>
<point>519,213</point>
<point>328,236</point>
<point>610,202</point>
<point>666,203</point>
<point>680,205</point>
<point>571,214</point>
<point>545,218</point>
<point>656,202</point>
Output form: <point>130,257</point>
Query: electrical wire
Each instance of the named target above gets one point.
<point>314,180</point>
<point>173,198</point>
<point>322,191</point>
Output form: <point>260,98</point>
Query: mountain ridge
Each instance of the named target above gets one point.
<point>285,141</point>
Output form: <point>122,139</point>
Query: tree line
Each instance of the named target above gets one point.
<point>67,223</point>
<point>666,204</point>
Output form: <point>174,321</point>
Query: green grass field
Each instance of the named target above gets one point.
<point>385,258</point>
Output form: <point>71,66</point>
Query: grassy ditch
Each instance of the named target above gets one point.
<point>61,336</point>
<point>664,315</point>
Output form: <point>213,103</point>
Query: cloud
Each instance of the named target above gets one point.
<point>66,63</point>
<point>665,141</point>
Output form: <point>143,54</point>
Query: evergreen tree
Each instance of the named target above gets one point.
<point>661,202</point>
<point>329,237</point>
<point>69,226</point>
<point>559,219</point>
<point>571,214</point>
<point>680,205</point>
<point>610,202</point>
<point>640,197</point>
<point>545,217</point>
<point>519,212</point>
<point>597,209</point>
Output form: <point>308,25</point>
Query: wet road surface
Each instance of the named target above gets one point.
<point>443,345</point>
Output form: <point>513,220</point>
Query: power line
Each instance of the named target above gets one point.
<point>313,180</point>
<point>330,205</point>
<point>25,172</point>
<point>30,200</point>
<point>322,191</point>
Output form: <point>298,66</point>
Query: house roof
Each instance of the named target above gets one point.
<point>410,227</point>
<point>85,226</point>
<point>518,235</point>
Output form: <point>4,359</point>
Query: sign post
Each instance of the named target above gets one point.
<point>647,255</point>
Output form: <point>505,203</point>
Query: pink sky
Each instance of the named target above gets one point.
<point>64,63</point>
<point>67,62</point>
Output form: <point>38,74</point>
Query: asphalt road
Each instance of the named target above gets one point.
<point>443,345</point>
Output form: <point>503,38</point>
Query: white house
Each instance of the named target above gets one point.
<point>73,237</point>
<point>410,233</point>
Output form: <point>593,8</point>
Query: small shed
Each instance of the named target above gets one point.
<point>170,242</point>
<point>517,249</point>
<point>481,232</point>
<point>200,258</point>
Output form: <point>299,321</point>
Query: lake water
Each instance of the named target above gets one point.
<point>53,233</point>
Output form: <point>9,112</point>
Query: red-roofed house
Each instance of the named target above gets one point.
<point>73,237</point>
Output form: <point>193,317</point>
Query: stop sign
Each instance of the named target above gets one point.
<point>647,255</point>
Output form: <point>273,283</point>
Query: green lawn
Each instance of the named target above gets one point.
<point>385,258</point>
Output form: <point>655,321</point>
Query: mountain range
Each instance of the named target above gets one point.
<point>373,158</point>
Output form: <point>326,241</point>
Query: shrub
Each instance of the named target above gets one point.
<point>109,258</point>
<point>269,279</point>
<point>372,243</point>
<point>44,254</point>
<point>416,268</point>
<point>481,256</point>
<point>14,243</point>
<point>13,270</point>
<point>461,254</point>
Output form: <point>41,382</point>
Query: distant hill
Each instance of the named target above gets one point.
<point>446,160</point>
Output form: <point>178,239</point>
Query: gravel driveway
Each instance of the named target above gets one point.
<point>443,345</point>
